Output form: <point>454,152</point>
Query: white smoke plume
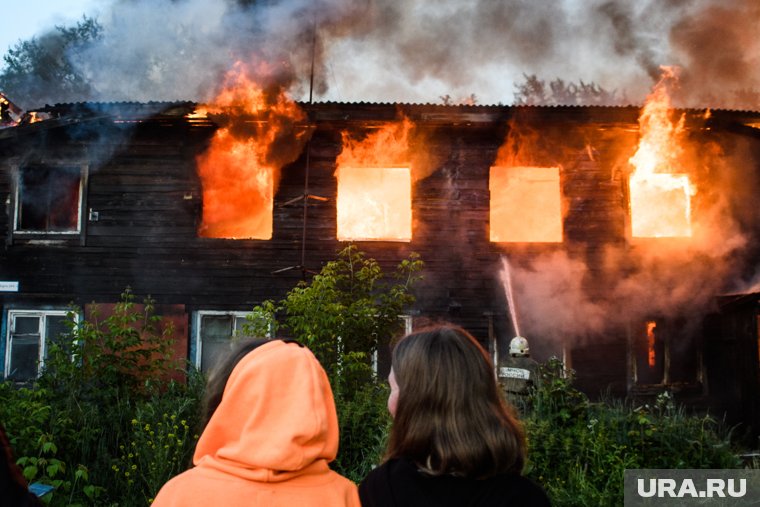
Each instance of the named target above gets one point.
<point>550,299</point>
<point>418,50</point>
<point>567,296</point>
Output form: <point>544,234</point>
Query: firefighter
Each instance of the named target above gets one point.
<point>518,373</point>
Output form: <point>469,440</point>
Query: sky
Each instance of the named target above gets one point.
<point>22,19</point>
<point>406,50</point>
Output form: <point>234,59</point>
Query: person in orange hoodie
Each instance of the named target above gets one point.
<point>269,436</point>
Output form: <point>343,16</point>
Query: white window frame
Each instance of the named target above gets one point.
<point>198,318</point>
<point>42,315</point>
<point>83,175</point>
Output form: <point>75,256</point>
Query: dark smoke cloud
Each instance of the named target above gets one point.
<point>420,50</point>
<point>719,50</point>
<point>627,40</point>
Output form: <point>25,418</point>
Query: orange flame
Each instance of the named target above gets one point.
<point>375,186</point>
<point>660,193</point>
<point>239,170</point>
<point>651,353</point>
<point>526,204</point>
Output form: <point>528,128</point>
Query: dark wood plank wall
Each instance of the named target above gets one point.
<point>148,197</point>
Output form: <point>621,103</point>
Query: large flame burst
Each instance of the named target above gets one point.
<point>239,170</point>
<point>660,192</point>
<point>375,185</point>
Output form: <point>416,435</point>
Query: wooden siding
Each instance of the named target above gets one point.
<point>144,187</point>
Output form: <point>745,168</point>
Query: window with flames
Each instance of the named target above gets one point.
<point>526,204</point>
<point>374,203</point>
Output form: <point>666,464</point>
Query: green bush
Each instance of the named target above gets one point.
<point>159,445</point>
<point>364,424</point>
<point>579,450</point>
<point>70,428</point>
<point>343,314</point>
<point>106,425</point>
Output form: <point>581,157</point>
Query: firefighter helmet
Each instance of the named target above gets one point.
<point>518,347</point>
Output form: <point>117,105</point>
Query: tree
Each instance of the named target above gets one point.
<point>343,315</point>
<point>535,92</point>
<point>41,70</point>
<point>345,312</point>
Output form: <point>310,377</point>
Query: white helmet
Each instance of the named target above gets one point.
<point>518,346</point>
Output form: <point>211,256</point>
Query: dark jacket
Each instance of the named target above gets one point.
<point>398,483</point>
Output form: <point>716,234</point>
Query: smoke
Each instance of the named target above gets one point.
<point>550,300</point>
<point>570,296</point>
<point>175,50</point>
<point>419,51</point>
<point>719,50</point>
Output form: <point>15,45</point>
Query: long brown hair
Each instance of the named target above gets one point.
<point>450,417</point>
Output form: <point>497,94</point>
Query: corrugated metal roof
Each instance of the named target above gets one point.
<point>64,114</point>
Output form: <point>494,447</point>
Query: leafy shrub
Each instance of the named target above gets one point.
<point>69,428</point>
<point>159,445</point>
<point>343,314</point>
<point>579,450</point>
<point>364,425</point>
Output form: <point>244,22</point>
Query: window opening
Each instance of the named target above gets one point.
<point>526,205</point>
<point>49,199</point>
<point>374,203</point>
<point>216,333</point>
<point>29,335</point>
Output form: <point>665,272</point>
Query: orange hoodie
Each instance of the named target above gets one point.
<point>270,440</point>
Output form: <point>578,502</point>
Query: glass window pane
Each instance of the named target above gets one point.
<point>216,337</point>
<point>216,327</point>
<point>55,326</point>
<point>25,352</point>
<point>26,325</point>
<point>213,351</point>
<point>239,321</point>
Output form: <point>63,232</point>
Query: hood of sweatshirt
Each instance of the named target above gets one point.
<point>276,419</point>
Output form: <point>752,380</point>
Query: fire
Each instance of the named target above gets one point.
<point>660,193</point>
<point>526,204</point>
<point>198,114</point>
<point>375,186</point>
<point>651,352</point>
<point>239,170</point>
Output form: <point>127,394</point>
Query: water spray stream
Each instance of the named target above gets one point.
<point>506,278</point>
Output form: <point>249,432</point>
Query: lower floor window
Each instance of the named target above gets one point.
<point>663,354</point>
<point>214,336</point>
<point>29,334</point>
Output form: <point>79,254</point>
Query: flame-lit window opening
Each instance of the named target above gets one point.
<point>660,206</point>
<point>650,355</point>
<point>29,335</point>
<point>664,354</point>
<point>526,205</point>
<point>49,199</point>
<point>238,191</point>
<point>214,335</point>
<point>374,203</point>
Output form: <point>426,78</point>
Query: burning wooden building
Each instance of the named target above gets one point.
<point>622,239</point>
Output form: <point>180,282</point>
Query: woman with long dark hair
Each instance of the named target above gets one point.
<point>454,440</point>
